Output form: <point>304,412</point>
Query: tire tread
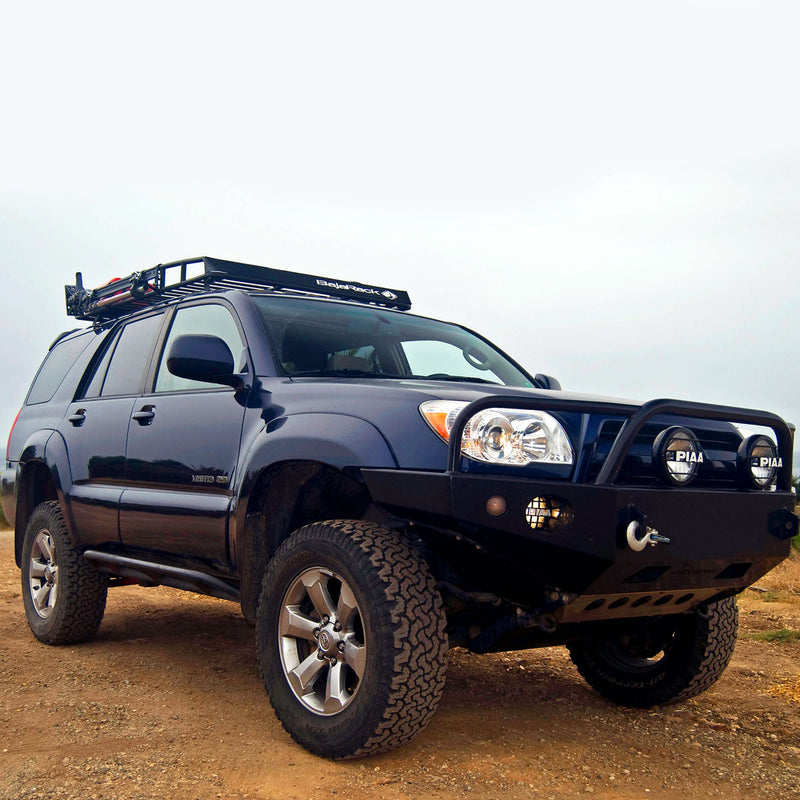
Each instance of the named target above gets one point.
<point>713,638</point>
<point>417,621</point>
<point>82,590</point>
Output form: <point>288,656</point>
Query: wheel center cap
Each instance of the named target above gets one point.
<point>325,641</point>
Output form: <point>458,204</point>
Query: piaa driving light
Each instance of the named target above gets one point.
<point>677,455</point>
<point>759,461</point>
<point>548,513</point>
<point>503,435</point>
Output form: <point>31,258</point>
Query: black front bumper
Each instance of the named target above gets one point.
<point>720,542</point>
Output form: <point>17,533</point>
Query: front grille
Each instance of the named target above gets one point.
<point>719,446</point>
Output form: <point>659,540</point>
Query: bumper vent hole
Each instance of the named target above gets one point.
<point>646,575</point>
<point>662,601</point>
<point>733,572</point>
<point>595,604</point>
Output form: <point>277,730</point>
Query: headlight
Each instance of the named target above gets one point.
<point>503,435</point>
<point>759,461</point>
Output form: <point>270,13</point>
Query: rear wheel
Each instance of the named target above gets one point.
<point>673,658</point>
<point>64,597</point>
<point>351,639</point>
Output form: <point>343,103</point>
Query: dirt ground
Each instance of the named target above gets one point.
<point>167,703</point>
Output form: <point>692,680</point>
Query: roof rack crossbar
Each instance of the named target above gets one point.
<point>122,296</point>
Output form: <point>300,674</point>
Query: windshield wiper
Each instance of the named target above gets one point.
<point>458,378</point>
<point>362,373</point>
<point>342,373</point>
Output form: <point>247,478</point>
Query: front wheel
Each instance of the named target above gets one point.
<point>671,658</point>
<point>351,638</point>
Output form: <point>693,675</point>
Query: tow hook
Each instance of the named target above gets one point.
<point>546,622</point>
<point>639,535</point>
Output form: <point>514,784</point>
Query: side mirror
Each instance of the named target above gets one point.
<point>547,381</point>
<point>201,357</point>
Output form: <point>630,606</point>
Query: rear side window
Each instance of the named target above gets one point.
<point>98,375</point>
<point>55,368</point>
<point>131,357</point>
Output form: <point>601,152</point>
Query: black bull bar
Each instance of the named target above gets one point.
<point>735,536</point>
<point>637,418</point>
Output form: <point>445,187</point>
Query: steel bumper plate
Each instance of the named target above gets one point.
<point>718,541</point>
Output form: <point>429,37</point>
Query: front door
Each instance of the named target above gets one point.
<point>183,448</point>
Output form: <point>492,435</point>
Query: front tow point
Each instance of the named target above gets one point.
<point>639,536</point>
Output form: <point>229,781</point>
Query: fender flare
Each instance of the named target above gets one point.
<point>56,456</point>
<point>335,440</point>
<point>46,448</point>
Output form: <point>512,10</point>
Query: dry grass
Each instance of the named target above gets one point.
<point>790,689</point>
<point>784,581</point>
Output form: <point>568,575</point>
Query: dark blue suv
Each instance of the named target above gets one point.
<point>372,486</point>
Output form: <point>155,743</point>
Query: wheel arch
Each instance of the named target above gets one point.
<point>285,496</point>
<point>37,484</point>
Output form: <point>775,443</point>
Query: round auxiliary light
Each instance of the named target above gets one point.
<point>548,513</point>
<point>677,455</point>
<point>758,461</point>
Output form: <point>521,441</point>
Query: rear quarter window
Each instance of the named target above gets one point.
<point>55,368</point>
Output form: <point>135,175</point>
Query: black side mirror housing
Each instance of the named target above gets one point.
<point>201,357</point>
<point>547,381</point>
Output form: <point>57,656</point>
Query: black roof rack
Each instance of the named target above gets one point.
<point>123,296</point>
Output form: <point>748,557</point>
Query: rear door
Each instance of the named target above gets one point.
<point>183,447</point>
<point>95,428</point>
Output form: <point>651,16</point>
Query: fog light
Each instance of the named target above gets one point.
<point>677,455</point>
<point>548,513</point>
<point>758,461</point>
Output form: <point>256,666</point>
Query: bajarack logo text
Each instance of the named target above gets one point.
<point>351,287</point>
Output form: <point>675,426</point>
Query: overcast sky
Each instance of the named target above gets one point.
<point>608,190</point>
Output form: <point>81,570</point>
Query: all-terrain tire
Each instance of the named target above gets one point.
<point>679,658</point>
<point>385,625</point>
<point>64,598</point>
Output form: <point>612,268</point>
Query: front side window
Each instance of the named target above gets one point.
<point>322,338</point>
<point>213,319</point>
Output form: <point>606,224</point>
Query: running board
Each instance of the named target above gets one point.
<point>149,573</point>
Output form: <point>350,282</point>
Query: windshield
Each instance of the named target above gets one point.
<point>318,338</point>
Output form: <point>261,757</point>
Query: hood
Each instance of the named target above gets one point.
<point>392,406</point>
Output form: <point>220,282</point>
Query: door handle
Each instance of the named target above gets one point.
<point>145,416</point>
<point>78,418</point>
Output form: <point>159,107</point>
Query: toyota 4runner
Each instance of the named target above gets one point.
<point>372,486</point>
